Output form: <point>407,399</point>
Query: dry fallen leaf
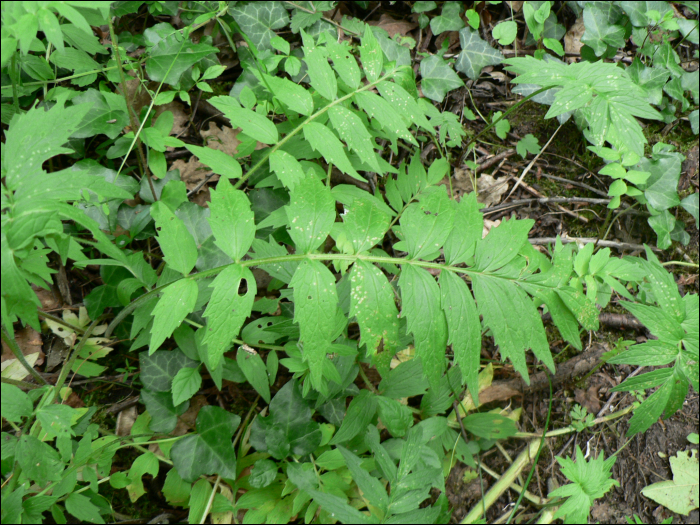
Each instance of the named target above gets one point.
<point>126,420</point>
<point>490,190</point>
<point>394,27</point>
<point>29,342</point>
<point>572,38</point>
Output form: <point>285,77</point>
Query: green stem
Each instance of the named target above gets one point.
<point>296,130</point>
<point>10,341</point>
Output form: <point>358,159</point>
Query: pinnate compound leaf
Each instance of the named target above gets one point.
<point>321,76</point>
<point>372,303</point>
<point>287,168</point>
<point>315,306</point>
<point>420,305</point>
<point>311,214</point>
<point>177,301</point>
<point>502,244</point>
<point>253,124</point>
<point>327,144</point>
<point>463,327</point>
<point>220,162</point>
<point>210,450</point>
<point>255,372</point>
<point>405,104</point>
<point>680,495</point>
<point>437,78</point>
<point>355,134</point>
<point>371,55</point>
<point>476,54</point>
<point>232,221</point>
<point>186,383</point>
<point>591,480</point>
<point>294,96</point>
<point>427,223</point>
<point>387,116</point>
<point>172,56</point>
<point>227,311</point>
<point>258,19</point>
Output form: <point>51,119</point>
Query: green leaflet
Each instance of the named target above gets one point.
<point>253,124</point>
<point>372,303</point>
<point>405,104</point>
<point>321,75</point>
<point>370,486</point>
<point>388,117</point>
<point>366,223</point>
<point>232,221</point>
<point>172,56</point>
<point>327,144</point>
<point>420,305</point>
<point>467,230</point>
<point>227,311</point>
<point>186,383</point>
<point>344,64</point>
<point>287,168</point>
<point>311,214</point>
<point>359,414</point>
<point>179,248</point>
<point>426,224</point>
<point>294,96</point>
<point>514,321</point>
<point>220,162</point>
<point>397,418</point>
<point>371,55</point>
<point>177,301</point>
<point>315,306</point>
<point>355,134</point>
<point>255,372</point>
<point>464,328</point>
<point>502,244</point>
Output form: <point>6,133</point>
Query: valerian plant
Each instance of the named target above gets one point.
<point>326,247</point>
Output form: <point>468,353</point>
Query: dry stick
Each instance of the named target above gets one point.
<point>561,208</point>
<point>542,200</point>
<point>585,240</point>
<point>575,183</point>
<point>532,162</point>
<point>493,160</point>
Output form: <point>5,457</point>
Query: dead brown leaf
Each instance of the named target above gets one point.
<point>393,26</point>
<point>29,342</point>
<point>490,190</point>
<point>572,38</point>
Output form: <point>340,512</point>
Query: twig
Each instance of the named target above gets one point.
<point>586,240</point>
<point>493,160</point>
<point>543,200</point>
<point>575,183</point>
<point>561,208</point>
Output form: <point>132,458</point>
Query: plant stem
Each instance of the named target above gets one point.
<point>10,341</point>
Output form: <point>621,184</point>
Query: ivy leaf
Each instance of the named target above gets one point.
<point>163,413</point>
<point>232,221</point>
<point>177,301</point>
<point>220,162</point>
<point>437,78</point>
<point>289,427</point>
<point>601,28</point>
<point>427,223</point>
<point>690,203</point>
<point>476,54</point>
<point>371,55</point>
<point>681,494</point>
<point>311,214</point>
<point>388,117</point>
<point>320,73</point>
<point>159,368</point>
<point>186,383</point>
<point>327,144</point>
<point>420,305</point>
<point>253,124</point>
<point>355,134</point>
<point>449,19</point>
<point>210,450</point>
<point>172,56</point>
<point>227,311</point>
<point>255,372</point>
<point>294,96</point>
<point>179,248</point>
<point>372,303</point>
<point>258,19</point>
<point>315,306</point>
<point>591,480</point>
<point>464,328</point>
